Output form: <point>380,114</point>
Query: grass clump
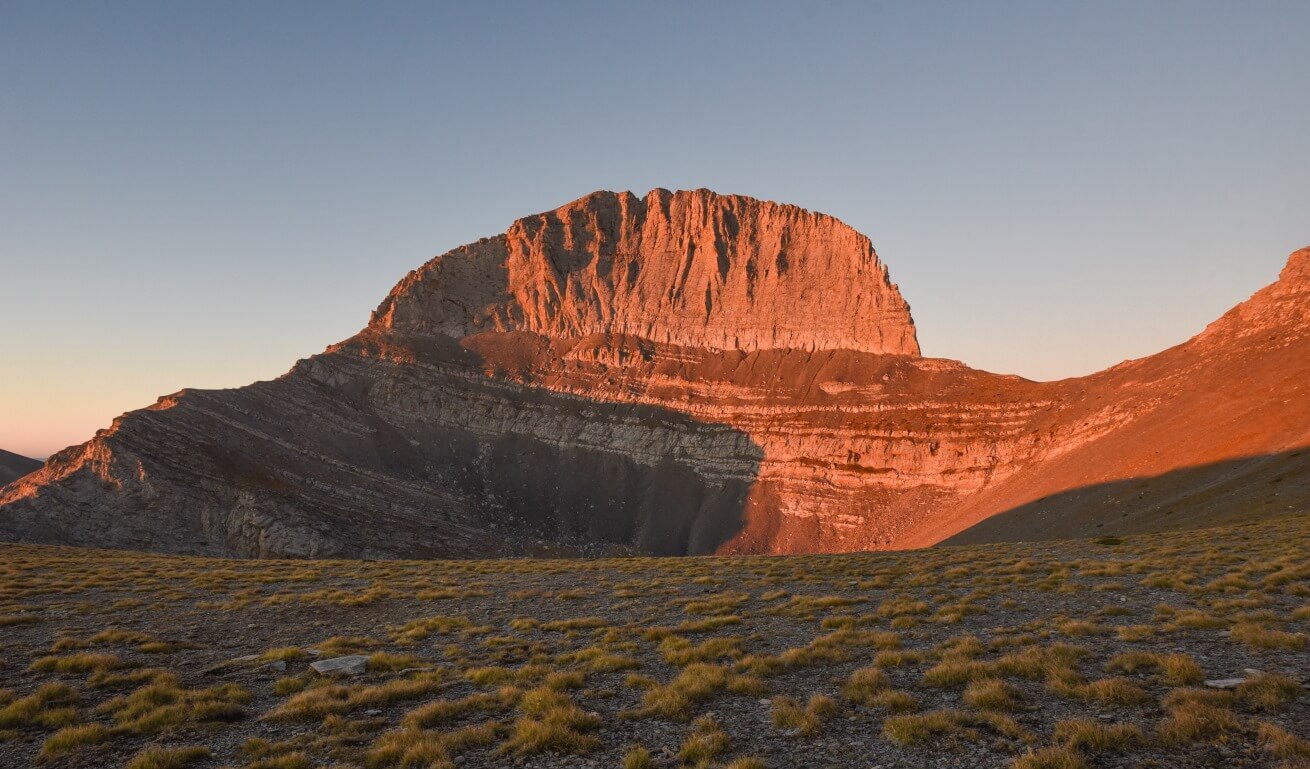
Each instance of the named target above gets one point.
<point>335,699</point>
<point>284,654</point>
<point>869,686</point>
<point>552,721</point>
<point>442,712</point>
<point>165,705</point>
<point>954,672</point>
<point>422,747</point>
<point>1056,757</point>
<point>992,694</point>
<point>1173,669</point>
<point>1267,692</point>
<point>638,757</point>
<point>51,706</point>
<point>1120,692</point>
<point>680,652</point>
<point>1197,716</point>
<point>1261,638</point>
<point>87,662</point>
<point>865,684</point>
<point>804,720</point>
<point>1094,737</point>
<point>156,757</point>
<point>74,738</point>
<point>385,662</point>
<point>1282,744</point>
<point>695,684</point>
<point>717,606</point>
<point>923,727</point>
<point>706,741</point>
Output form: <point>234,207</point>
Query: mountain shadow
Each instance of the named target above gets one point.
<point>1215,494</point>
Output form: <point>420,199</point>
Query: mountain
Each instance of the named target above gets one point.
<point>683,373</point>
<point>14,466</point>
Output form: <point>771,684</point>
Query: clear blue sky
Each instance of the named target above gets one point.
<point>197,194</point>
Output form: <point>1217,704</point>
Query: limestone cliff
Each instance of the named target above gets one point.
<point>680,373</point>
<point>690,269</point>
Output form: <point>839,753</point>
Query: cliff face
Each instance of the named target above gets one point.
<point>679,373</point>
<point>691,269</point>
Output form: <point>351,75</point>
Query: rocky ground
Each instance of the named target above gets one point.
<point>1098,653</point>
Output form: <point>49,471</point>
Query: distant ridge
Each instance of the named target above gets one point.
<point>684,372</point>
<point>14,466</point>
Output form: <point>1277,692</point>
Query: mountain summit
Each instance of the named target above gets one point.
<point>692,269</point>
<point>683,372</point>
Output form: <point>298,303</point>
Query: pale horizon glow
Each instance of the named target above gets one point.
<point>198,195</point>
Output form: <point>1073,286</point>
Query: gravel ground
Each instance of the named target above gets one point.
<point>1202,594</point>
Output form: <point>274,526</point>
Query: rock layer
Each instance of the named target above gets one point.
<point>680,373</point>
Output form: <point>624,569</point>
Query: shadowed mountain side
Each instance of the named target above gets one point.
<point>341,457</point>
<point>1218,494</point>
<point>14,466</point>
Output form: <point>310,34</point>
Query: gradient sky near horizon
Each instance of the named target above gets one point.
<point>198,194</point>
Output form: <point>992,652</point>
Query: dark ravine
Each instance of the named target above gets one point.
<point>678,373</point>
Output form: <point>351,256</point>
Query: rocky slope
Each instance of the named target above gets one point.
<point>681,373</point>
<point>14,466</point>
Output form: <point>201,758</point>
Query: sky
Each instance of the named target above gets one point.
<point>199,194</point>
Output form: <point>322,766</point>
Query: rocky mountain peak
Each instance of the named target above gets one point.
<point>687,268</point>
<point>1297,269</point>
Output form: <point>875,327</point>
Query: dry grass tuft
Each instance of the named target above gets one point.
<point>803,720</point>
<point>1193,720</point>
<point>552,721</point>
<point>155,757</point>
<point>992,694</point>
<point>923,727</point>
<point>1261,638</point>
<point>706,741</point>
<point>89,662</point>
<point>638,757</point>
<point>74,738</point>
<point>1050,758</point>
<point>1282,744</point>
<point>51,706</point>
<point>334,699</point>
<point>1268,692</point>
<point>165,705</point>
<point>426,748</point>
<point>1091,736</point>
<point>696,683</point>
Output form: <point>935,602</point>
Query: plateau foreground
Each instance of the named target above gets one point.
<point>1164,651</point>
<point>677,374</point>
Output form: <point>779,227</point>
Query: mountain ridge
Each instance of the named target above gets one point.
<point>14,466</point>
<point>602,378</point>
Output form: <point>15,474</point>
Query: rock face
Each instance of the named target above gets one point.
<point>682,373</point>
<point>14,466</point>
<point>691,269</point>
